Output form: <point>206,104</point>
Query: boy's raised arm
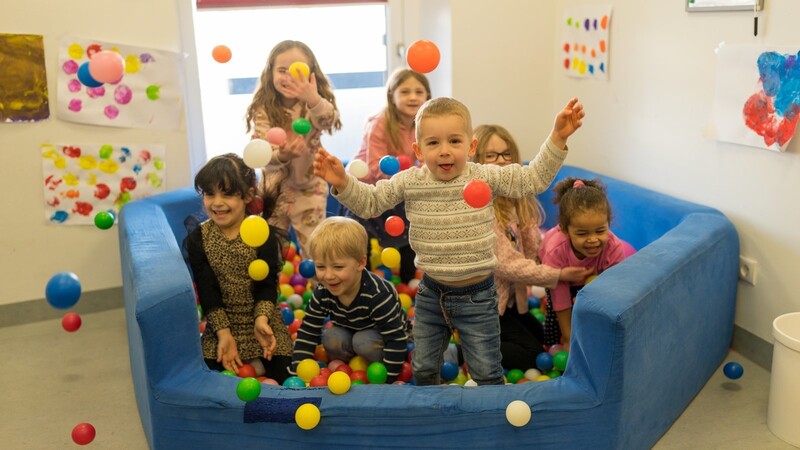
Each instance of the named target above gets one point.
<point>568,120</point>
<point>330,169</point>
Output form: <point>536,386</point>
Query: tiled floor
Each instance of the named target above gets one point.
<point>53,380</point>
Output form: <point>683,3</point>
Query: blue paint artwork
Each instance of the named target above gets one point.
<point>780,78</point>
<point>59,216</point>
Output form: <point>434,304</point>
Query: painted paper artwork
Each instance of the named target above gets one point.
<point>146,96</point>
<point>757,100</point>
<point>23,79</point>
<point>81,180</point>
<point>584,44</point>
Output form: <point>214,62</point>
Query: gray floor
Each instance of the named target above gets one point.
<point>52,380</point>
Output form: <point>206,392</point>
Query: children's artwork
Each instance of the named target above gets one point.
<point>584,46</point>
<point>757,100</point>
<point>145,96</point>
<point>82,180</point>
<point>23,79</point>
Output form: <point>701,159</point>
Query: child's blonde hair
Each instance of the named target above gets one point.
<point>392,114</point>
<point>443,106</point>
<point>529,210</point>
<point>338,236</point>
<point>267,98</point>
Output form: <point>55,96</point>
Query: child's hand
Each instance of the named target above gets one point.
<point>227,353</point>
<point>567,122</point>
<point>265,337</point>
<point>575,274</point>
<point>291,149</point>
<point>330,168</point>
<point>304,90</point>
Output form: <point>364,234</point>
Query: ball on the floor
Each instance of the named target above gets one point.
<point>248,389</point>
<point>71,322</point>
<point>63,290</point>
<point>307,416</point>
<point>83,433</point>
<point>733,370</point>
<point>518,413</point>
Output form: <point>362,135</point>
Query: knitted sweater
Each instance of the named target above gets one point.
<point>453,241</point>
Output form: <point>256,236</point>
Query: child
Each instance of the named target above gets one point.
<point>279,99</point>
<point>517,238</point>
<point>391,132</point>
<point>363,307</point>
<point>243,323</point>
<point>453,241</point>
<point>581,238</point>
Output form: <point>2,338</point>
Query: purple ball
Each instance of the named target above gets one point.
<point>297,280</point>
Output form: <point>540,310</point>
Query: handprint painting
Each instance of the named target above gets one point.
<point>772,112</point>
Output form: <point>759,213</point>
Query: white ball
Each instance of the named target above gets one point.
<point>257,153</point>
<point>532,374</point>
<point>538,291</point>
<point>413,283</point>
<point>518,413</point>
<point>470,383</point>
<point>357,168</point>
<point>295,300</point>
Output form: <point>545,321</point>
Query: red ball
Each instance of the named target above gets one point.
<point>423,56</point>
<point>395,226</point>
<point>319,380</point>
<point>256,206</point>
<point>360,375</point>
<point>320,354</point>
<point>71,322</point>
<point>344,368</point>
<point>294,326</point>
<point>326,372</point>
<point>405,162</point>
<point>83,433</point>
<point>247,371</point>
<point>202,327</point>
<point>405,373</point>
<point>289,252</point>
<point>477,193</point>
<point>299,289</point>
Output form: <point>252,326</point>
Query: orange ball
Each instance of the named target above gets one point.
<point>320,354</point>
<point>423,56</point>
<point>221,54</point>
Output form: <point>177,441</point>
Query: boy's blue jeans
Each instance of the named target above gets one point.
<point>472,310</point>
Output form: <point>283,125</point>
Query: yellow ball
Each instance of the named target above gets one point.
<point>339,383</point>
<point>405,301</point>
<point>254,231</point>
<point>307,369</point>
<point>542,378</point>
<point>307,416</point>
<point>358,362</point>
<point>390,258</point>
<point>287,269</point>
<point>299,70</point>
<point>258,269</point>
<point>286,290</point>
<point>590,278</point>
<point>299,314</point>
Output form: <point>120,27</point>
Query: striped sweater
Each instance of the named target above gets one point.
<point>453,241</point>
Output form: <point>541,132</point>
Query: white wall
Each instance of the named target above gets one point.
<point>32,249</point>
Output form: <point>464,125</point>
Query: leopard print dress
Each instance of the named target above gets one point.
<point>230,260</point>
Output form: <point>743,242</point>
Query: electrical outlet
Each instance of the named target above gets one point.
<point>748,269</point>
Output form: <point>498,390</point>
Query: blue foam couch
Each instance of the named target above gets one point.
<point>647,335</point>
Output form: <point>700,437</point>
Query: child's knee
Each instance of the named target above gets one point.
<point>368,344</point>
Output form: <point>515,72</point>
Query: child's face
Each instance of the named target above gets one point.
<point>280,69</point>
<point>588,233</point>
<point>227,211</point>
<point>341,275</point>
<point>445,146</point>
<point>408,97</point>
<point>496,151</point>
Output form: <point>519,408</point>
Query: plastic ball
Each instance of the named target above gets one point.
<point>288,269</point>
<point>470,383</point>
<point>63,290</point>
<point>294,326</point>
<point>477,193</point>
<point>544,361</point>
<point>405,162</point>
<point>256,205</point>
<point>560,360</point>
<point>307,416</point>
<point>534,302</point>
<point>257,153</point>
<point>394,226</point>
<point>532,374</point>
<point>542,377</point>
<point>248,389</point>
<point>405,301</point>
<point>390,257</point>
<point>376,373</point>
<point>104,220</point>
<point>589,279</point>
<point>358,362</point>
<point>449,371</point>
<point>269,381</point>
<point>285,290</point>
<point>299,70</point>
<point>299,314</point>
<point>538,314</point>
<point>423,56</point>
<point>228,373</point>
<point>334,364</point>
<point>515,375</point>
<point>301,126</point>
<point>553,373</point>
<point>518,413</point>
<point>247,370</point>
<point>71,322</point>
<point>258,269</point>
<point>389,165</point>
<point>307,268</point>
<point>297,280</point>
<point>106,66</point>
<point>733,370</point>
<point>339,382</point>
<point>276,136</point>
<point>307,369</point>
<point>221,54</point>
<point>288,315</point>
<point>357,168</point>
<point>83,433</point>
<point>318,381</point>
<point>254,231</point>
<point>359,376</point>
<point>295,300</point>
<point>86,78</point>
<point>294,382</point>
<point>555,348</point>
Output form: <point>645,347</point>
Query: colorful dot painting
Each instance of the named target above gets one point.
<point>584,43</point>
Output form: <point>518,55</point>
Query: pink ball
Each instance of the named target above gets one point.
<point>276,136</point>
<point>106,66</point>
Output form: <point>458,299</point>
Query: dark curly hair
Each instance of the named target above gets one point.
<point>572,199</point>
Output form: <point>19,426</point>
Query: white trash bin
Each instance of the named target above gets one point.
<point>783,414</point>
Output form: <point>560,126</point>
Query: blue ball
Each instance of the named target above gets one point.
<point>733,370</point>
<point>534,302</point>
<point>294,382</point>
<point>288,315</point>
<point>86,78</point>
<point>544,361</point>
<point>449,370</point>
<point>63,290</point>
<point>307,269</point>
<point>389,165</point>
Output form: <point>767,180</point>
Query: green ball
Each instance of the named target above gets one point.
<point>301,126</point>
<point>396,280</point>
<point>229,373</point>
<point>355,382</point>
<point>376,373</point>
<point>104,220</point>
<point>538,314</point>
<point>248,389</point>
<point>153,92</point>
<point>306,297</point>
<point>560,360</point>
<point>515,375</point>
<point>553,374</point>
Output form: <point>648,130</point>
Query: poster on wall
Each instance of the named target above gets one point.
<point>584,43</point>
<point>146,96</point>
<point>80,180</point>
<point>757,98</point>
<point>23,79</point>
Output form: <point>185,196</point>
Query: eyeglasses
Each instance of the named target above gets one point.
<point>492,156</point>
